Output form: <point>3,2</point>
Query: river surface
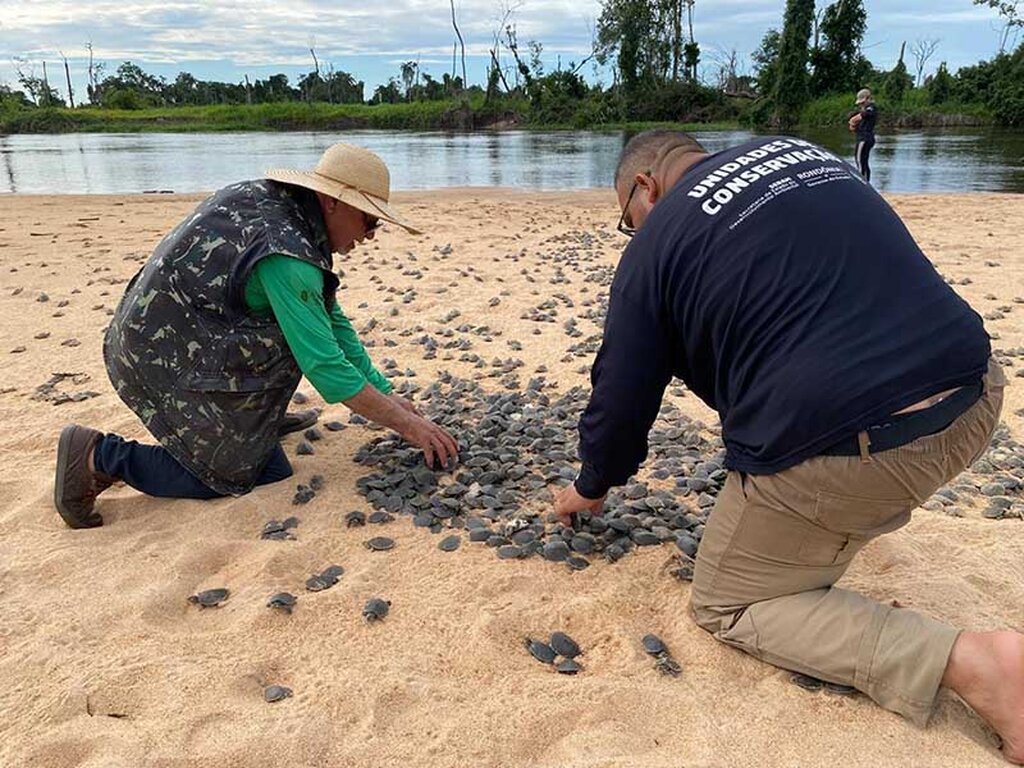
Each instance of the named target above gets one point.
<point>948,160</point>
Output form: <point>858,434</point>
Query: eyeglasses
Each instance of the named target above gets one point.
<point>628,229</point>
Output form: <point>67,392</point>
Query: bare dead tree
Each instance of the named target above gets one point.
<point>67,74</point>
<point>506,9</point>
<point>465,82</point>
<point>312,52</point>
<point>46,85</point>
<point>923,49</point>
<point>592,28</point>
<point>91,89</point>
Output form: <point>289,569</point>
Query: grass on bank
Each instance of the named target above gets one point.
<point>912,112</point>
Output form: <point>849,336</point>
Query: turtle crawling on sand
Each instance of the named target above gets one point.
<point>376,609</point>
<point>209,598</point>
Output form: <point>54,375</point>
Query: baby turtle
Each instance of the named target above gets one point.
<point>449,543</point>
<point>335,426</point>
<point>274,693</point>
<point>806,682</point>
<point>668,666</point>
<point>376,609</point>
<point>316,482</point>
<point>304,448</point>
<point>355,519</point>
<point>313,434</point>
<point>209,598</point>
<point>325,580</point>
<point>380,517</point>
<point>303,494</point>
<point>653,645</point>
<point>837,689</point>
<point>542,652</point>
<point>577,563</point>
<point>564,645</point>
<point>279,530</point>
<point>568,667</point>
<point>379,544</point>
<point>283,600</point>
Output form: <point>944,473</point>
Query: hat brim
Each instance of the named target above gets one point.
<point>370,204</point>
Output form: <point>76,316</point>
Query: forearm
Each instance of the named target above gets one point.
<point>380,408</point>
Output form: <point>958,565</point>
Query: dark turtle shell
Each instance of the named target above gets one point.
<point>542,652</point>
<point>449,543</point>
<point>376,609</point>
<point>209,598</point>
<point>283,600</point>
<point>653,645</point>
<point>806,682</point>
<point>568,667</point>
<point>355,519</point>
<point>564,645</point>
<point>380,543</point>
<point>276,693</point>
<point>325,580</point>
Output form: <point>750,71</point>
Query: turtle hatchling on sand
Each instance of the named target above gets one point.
<point>209,598</point>
<point>355,518</point>
<point>274,693</point>
<point>325,580</point>
<point>564,645</point>
<point>376,609</point>
<point>283,600</point>
<point>379,544</point>
<point>542,652</point>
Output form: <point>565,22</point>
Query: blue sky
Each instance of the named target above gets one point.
<point>227,39</point>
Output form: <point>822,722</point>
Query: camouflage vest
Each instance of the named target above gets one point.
<point>210,379</point>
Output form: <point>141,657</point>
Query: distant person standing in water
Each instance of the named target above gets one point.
<point>862,122</point>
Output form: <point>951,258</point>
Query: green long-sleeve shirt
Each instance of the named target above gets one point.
<point>325,345</point>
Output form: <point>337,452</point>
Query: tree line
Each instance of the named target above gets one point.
<point>660,72</point>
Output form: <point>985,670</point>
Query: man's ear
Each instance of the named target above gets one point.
<point>649,188</point>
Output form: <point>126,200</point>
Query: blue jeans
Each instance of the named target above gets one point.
<point>152,470</point>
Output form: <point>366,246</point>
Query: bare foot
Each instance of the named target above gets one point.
<point>987,670</point>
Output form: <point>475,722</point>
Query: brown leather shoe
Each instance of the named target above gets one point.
<point>76,487</point>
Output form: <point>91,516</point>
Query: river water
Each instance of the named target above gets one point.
<point>948,160</point>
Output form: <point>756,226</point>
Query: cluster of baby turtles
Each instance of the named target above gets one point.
<point>558,645</point>
<point>514,446</point>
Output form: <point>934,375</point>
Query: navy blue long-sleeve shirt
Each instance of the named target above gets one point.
<point>789,297</point>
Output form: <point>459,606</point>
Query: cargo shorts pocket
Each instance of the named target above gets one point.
<point>861,517</point>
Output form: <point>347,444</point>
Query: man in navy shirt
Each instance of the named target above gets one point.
<point>851,383</point>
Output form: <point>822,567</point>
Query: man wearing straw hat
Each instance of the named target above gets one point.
<point>214,333</point>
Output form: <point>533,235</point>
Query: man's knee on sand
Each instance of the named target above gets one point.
<point>710,615</point>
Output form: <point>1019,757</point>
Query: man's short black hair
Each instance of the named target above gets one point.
<point>641,152</point>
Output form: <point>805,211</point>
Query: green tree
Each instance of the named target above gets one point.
<point>766,61</point>
<point>898,80</point>
<point>837,63</point>
<point>941,86</point>
<point>791,86</point>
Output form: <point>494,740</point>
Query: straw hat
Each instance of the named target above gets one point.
<point>863,95</point>
<point>353,175</point>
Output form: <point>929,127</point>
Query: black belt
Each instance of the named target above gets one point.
<point>904,428</point>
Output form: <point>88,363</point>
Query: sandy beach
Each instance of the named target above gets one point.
<point>103,662</point>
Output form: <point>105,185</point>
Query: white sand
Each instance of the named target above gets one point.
<point>95,623</point>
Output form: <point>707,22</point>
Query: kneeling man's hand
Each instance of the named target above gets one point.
<point>568,501</point>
